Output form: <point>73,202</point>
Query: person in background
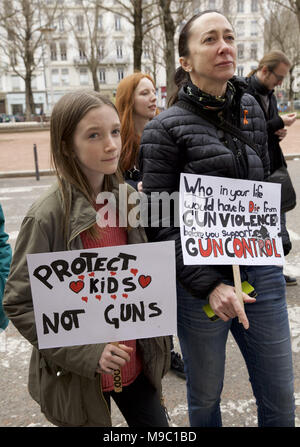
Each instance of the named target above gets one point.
<point>74,384</point>
<point>5,260</point>
<point>136,104</point>
<point>187,138</point>
<point>270,73</point>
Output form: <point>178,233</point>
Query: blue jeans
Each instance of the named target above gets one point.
<point>265,347</point>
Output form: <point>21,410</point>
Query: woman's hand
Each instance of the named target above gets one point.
<point>225,303</point>
<point>113,357</point>
<point>140,186</point>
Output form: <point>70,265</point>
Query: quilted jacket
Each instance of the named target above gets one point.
<point>178,141</point>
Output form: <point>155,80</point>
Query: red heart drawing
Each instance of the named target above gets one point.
<point>144,280</point>
<point>113,297</point>
<point>76,286</point>
<point>125,295</point>
<point>98,297</point>
<point>92,274</point>
<point>85,298</point>
<point>81,277</point>
<point>113,273</point>
<point>134,271</point>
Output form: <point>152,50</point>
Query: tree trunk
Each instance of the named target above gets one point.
<point>29,97</point>
<point>138,36</point>
<point>169,29</point>
<point>96,83</point>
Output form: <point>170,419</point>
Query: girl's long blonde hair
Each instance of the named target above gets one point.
<point>66,114</point>
<point>125,106</point>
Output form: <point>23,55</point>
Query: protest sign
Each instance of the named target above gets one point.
<point>104,295</point>
<point>229,221</point>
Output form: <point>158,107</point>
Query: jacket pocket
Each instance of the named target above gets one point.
<point>61,397</point>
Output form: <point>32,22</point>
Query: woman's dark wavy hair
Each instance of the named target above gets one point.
<point>182,77</point>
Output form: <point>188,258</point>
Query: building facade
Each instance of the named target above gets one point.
<point>77,34</point>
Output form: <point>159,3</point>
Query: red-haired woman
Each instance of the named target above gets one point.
<point>136,104</point>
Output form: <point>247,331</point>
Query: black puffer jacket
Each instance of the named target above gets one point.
<point>178,141</point>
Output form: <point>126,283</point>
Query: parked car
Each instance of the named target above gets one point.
<point>297,104</point>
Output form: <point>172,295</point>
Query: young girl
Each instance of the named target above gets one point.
<point>73,385</point>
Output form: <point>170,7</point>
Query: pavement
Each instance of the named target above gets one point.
<point>17,192</point>
<point>17,153</point>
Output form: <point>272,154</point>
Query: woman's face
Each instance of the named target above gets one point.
<point>144,105</point>
<point>212,49</point>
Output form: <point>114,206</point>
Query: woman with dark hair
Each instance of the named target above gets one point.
<point>188,138</point>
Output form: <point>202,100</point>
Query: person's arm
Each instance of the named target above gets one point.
<point>5,260</point>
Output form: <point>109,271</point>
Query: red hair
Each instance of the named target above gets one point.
<point>125,105</point>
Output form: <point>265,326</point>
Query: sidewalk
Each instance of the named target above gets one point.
<point>17,156</point>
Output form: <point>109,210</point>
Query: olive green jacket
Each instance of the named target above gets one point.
<point>64,380</point>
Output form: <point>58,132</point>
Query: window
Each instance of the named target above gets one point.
<point>33,83</point>
<point>117,23</point>
<point>240,70</point>
<point>254,28</point>
<point>119,49</point>
<point>102,77</point>
<point>146,50</point>
<point>55,76</point>
<point>83,76</point>
<point>13,57</point>
<point>240,28</point>
<point>15,82</point>
<point>65,76</point>
<point>53,53</point>
<point>100,23</point>
<point>212,4</point>
<point>63,51</point>
<point>254,6</point>
<point>81,49</point>
<point>240,51</point>
<point>120,74</point>
<point>253,51</point>
<point>240,5</point>
<point>79,23</point>
<point>61,24</point>
<point>17,109</point>
<point>101,51</point>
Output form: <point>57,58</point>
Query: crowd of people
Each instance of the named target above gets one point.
<point>95,147</point>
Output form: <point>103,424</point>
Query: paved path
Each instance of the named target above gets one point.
<point>16,149</point>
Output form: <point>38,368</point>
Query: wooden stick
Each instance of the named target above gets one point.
<point>117,376</point>
<point>238,284</point>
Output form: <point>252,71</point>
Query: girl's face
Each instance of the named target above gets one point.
<point>144,105</point>
<point>97,143</point>
<point>212,51</point>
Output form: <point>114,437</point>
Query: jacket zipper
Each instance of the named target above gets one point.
<point>103,398</point>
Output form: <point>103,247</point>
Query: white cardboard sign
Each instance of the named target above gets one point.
<point>104,295</point>
<point>230,221</point>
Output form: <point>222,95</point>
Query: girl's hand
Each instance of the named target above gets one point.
<point>113,357</point>
<point>225,303</point>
